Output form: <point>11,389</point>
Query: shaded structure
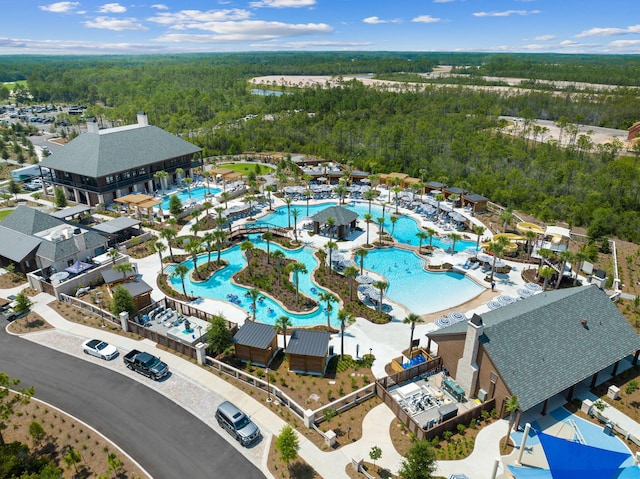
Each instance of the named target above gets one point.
<point>139,291</point>
<point>119,229</point>
<point>256,342</point>
<point>345,221</point>
<point>478,203</point>
<point>308,351</point>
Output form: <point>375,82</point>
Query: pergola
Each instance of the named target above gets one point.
<point>138,202</point>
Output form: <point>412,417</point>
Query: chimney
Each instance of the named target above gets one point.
<point>467,371</point>
<point>92,127</point>
<point>142,119</point>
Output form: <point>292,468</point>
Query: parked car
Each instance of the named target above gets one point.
<point>100,349</point>
<point>146,364</point>
<point>30,186</point>
<point>237,423</point>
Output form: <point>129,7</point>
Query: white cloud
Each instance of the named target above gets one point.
<point>160,6</point>
<point>624,43</point>
<point>112,8</point>
<point>506,13</point>
<point>56,47</point>
<point>194,16</point>
<point>310,44</point>
<point>282,3</point>
<point>115,24</point>
<point>426,19</point>
<point>544,38</point>
<point>607,32</point>
<point>60,7</point>
<point>249,30</point>
<point>373,20</point>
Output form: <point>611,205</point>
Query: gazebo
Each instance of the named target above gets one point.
<point>139,202</point>
<point>345,220</point>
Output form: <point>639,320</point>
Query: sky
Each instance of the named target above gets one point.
<point>181,26</point>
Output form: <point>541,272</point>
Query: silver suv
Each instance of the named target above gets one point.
<point>237,423</point>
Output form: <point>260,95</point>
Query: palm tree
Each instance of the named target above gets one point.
<point>307,195</point>
<point>496,248</point>
<point>331,245</point>
<point>512,406</point>
<point>380,222</point>
<point>455,237</point>
<point>220,237</point>
<point>247,246</point>
<point>507,218</point>
<point>439,198</point>
<point>331,223</point>
<point>225,196</point>
<point>278,255</point>
<point>382,287</point>
<point>123,268</point>
<point>546,272</point>
<point>269,189</point>
<point>531,236</point>
<point>255,295</point>
<point>431,232</point>
<point>328,298</point>
<point>282,323</point>
<point>181,271</point>
<point>295,213</point>
<point>421,237</point>
<point>209,242</point>
<point>162,176</point>
<point>287,201</point>
<point>394,219</point>
<point>586,252</point>
<point>297,268</point>
<point>341,191</point>
<point>370,195</point>
<point>350,272</point>
<point>207,206</point>
<point>169,234</point>
<point>207,179</point>
<point>268,237</point>
<point>361,253</point>
<point>367,219</point>
<point>565,257</point>
<point>188,182</point>
<point>415,187</point>
<point>345,318</point>
<point>194,247</point>
<point>159,247</point>
<point>412,319</point>
<point>479,231</point>
<point>396,191</point>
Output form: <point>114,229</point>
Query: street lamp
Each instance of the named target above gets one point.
<point>267,371</point>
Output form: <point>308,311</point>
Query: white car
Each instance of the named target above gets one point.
<point>99,349</point>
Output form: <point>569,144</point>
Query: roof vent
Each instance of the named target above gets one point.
<point>584,324</point>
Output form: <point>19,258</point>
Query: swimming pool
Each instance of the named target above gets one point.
<point>404,231</point>
<point>420,291</point>
<point>219,286</point>
<point>198,193</point>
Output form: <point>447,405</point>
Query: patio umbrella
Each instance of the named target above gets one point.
<point>500,263</point>
<point>484,257</point>
<point>443,322</point>
<point>365,180</point>
<point>456,317</point>
<point>533,287</point>
<point>364,279</point>
<point>505,299</point>
<point>375,294</point>
<point>493,304</point>
<point>365,288</point>
<point>322,178</point>
<point>345,263</point>
<point>337,257</point>
<point>524,292</point>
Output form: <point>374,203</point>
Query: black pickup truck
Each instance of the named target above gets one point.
<point>146,364</point>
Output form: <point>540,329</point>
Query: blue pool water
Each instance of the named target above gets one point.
<point>219,286</point>
<point>414,361</point>
<point>404,231</point>
<point>420,291</point>
<point>197,193</point>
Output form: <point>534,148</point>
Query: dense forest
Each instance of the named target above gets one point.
<point>445,133</point>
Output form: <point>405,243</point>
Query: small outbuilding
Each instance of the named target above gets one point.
<point>139,291</point>
<point>477,202</point>
<point>256,342</point>
<point>308,351</point>
<point>345,220</point>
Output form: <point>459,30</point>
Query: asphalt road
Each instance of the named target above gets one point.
<point>166,440</point>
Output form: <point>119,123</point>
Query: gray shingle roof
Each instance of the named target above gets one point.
<point>309,343</point>
<point>342,215</point>
<point>115,225</point>
<point>475,197</point>
<point>540,346</point>
<point>29,220</point>
<point>70,211</point>
<point>16,246</point>
<point>255,335</point>
<point>137,287</point>
<point>95,155</point>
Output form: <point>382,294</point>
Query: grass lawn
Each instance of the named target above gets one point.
<point>5,213</point>
<point>245,168</point>
<point>12,85</point>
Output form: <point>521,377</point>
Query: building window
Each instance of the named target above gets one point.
<point>109,180</point>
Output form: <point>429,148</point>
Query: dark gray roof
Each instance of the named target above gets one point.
<point>27,220</point>
<point>87,241</point>
<point>117,224</point>
<point>71,211</point>
<point>342,215</point>
<point>111,276</point>
<point>435,184</point>
<point>255,335</point>
<point>455,190</point>
<point>309,343</point>
<point>16,246</point>
<point>108,152</point>
<point>137,287</point>
<point>475,197</point>
<point>540,346</point>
